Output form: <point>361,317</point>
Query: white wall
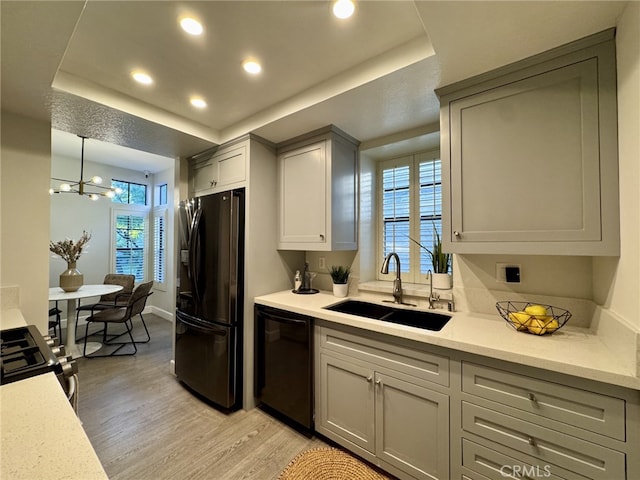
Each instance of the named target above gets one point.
<point>25,154</point>
<point>617,283</point>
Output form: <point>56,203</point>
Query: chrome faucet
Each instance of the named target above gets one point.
<point>397,283</point>
<point>432,297</point>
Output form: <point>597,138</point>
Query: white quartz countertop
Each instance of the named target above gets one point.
<point>573,351</point>
<point>41,437</point>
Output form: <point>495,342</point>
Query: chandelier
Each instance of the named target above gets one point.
<point>92,188</point>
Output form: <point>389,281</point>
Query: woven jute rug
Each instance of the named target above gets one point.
<point>328,464</point>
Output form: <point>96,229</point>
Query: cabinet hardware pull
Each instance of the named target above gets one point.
<point>378,382</point>
<point>533,398</point>
<point>456,234</point>
<point>321,236</point>
<point>213,183</point>
<point>369,378</point>
<point>532,441</point>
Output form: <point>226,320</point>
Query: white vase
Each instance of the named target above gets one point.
<point>340,290</point>
<point>442,281</point>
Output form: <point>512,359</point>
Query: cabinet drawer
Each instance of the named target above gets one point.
<point>417,363</point>
<point>497,466</point>
<point>588,410</point>
<point>550,446</point>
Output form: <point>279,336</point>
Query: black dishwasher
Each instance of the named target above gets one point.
<point>284,365</point>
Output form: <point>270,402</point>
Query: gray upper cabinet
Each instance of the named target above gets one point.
<point>529,155</point>
<point>318,187</point>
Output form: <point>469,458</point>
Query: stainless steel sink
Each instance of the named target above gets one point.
<point>413,318</point>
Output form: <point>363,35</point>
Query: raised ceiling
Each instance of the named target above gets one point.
<point>372,75</point>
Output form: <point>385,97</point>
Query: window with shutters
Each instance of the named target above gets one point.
<point>130,232</point>
<point>410,206</point>
<point>159,246</point>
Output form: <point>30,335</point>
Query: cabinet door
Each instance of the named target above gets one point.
<point>347,401</point>
<point>530,158</point>
<point>412,428</point>
<point>524,160</point>
<point>231,166</point>
<point>303,194</point>
<point>204,176</point>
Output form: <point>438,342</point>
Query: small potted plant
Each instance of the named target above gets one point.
<point>340,277</point>
<point>441,261</point>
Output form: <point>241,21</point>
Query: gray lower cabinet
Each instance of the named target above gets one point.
<point>425,412</point>
<point>527,427</point>
<point>367,402</point>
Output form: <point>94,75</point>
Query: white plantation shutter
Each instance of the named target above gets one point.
<point>159,244</point>
<point>410,205</point>
<point>130,240</point>
<point>396,209</point>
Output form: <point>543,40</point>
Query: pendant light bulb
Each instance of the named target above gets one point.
<point>110,194</point>
<point>94,197</point>
<point>65,187</point>
<point>97,180</point>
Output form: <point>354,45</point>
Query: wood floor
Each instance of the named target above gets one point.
<point>144,424</point>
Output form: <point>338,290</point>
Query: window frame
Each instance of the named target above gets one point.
<point>129,184</point>
<point>413,160</point>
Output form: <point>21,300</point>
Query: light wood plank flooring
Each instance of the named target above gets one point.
<point>144,424</point>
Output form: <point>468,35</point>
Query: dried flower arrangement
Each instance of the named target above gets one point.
<point>68,250</point>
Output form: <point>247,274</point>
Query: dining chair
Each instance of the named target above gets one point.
<point>119,314</point>
<point>109,300</point>
<point>55,323</point>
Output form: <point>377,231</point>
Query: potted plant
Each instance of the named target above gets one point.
<point>440,261</point>
<point>340,277</point>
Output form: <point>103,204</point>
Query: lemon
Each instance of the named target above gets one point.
<point>519,320</point>
<point>553,325</point>
<point>537,310</point>
<point>536,326</point>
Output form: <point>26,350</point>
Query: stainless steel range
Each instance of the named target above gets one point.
<point>26,353</point>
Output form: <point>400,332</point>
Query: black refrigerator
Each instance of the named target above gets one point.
<point>210,297</point>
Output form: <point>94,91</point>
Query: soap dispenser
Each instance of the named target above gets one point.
<point>297,281</point>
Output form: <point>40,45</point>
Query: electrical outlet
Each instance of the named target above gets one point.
<point>321,265</point>
<point>508,273</point>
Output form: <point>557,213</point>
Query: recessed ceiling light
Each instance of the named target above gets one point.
<point>343,8</point>
<point>251,66</point>
<point>142,77</point>
<point>198,102</point>
<point>191,26</point>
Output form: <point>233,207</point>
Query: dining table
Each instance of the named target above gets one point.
<point>85,291</point>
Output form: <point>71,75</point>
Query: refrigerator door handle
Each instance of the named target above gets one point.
<point>194,247</point>
<point>200,328</point>
<point>234,258</point>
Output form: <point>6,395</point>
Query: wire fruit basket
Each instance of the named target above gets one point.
<point>534,318</point>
